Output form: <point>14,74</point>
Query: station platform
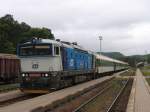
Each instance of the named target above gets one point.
<point>140,95</point>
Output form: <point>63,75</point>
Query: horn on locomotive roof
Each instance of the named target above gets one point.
<point>66,42</point>
<point>58,40</point>
<point>35,39</point>
<point>74,43</point>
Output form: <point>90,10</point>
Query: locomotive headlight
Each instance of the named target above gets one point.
<point>23,75</point>
<point>46,75</point>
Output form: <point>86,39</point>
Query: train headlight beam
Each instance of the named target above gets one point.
<point>46,75</point>
<point>23,75</point>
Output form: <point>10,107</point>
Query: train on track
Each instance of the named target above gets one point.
<point>9,68</point>
<point>48,65</point>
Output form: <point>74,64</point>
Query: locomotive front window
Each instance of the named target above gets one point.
<point>35,50</point>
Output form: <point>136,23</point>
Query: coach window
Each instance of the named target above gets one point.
<point>56,50</point>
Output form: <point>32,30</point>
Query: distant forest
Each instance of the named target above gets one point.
<point>12,32</point>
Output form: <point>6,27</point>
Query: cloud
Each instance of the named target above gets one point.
<point>124,24</point>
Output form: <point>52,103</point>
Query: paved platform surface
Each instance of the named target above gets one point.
<point>42,101</point>
<point>140,95</point>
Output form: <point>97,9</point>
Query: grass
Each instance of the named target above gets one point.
<point>146,70</point>
<point>147,67</point>
<point>146,73</point>
<point>8,87</point>
<point>130,72</point>
<point>148,80</point>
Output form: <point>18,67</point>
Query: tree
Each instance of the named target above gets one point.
<point>41,33</point>
<point>7,47</point>
<point>12,32</point>
<point>148,58</point>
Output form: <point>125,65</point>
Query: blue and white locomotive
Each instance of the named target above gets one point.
<point>48,65</point>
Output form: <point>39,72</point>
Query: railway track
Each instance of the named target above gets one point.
<point>90,100</point>
<point>17,99</point>
<point>115,103</point>
<point>109,107</point>
<point>8,87</point>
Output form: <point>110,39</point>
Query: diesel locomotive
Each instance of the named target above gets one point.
<point>48,65</point>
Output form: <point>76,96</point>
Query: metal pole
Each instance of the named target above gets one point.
<point>146,60</point>
<point>100,38</point>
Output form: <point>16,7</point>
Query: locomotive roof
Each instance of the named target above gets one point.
<point>50,41</point>
<point>79,47</point>
<point>70,45</point>
<point>43,41</point>
<point>66,45</point>
<point>11,56</point>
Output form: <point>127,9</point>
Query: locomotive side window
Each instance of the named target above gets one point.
<point>56,50</point>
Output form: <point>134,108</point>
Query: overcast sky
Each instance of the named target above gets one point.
<point>124,24</point>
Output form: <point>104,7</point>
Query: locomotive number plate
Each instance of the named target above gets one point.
<point>35,75</point>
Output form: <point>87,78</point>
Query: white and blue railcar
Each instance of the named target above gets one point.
<point>48,65</point>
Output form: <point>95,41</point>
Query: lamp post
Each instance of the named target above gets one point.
<point>100,38</point>
<point>146,60</point>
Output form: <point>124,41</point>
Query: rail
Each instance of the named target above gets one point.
<point>91,99</point>
<point>117,97</point>
<point>101,92</point>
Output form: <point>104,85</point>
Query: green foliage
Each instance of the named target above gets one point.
<point>41,33</point>
<point>146,70</point>
<point>146,73</point>
<point>148,80</point>
<point>147,57</point>
<point>7,47</point>
<point>12,32</point>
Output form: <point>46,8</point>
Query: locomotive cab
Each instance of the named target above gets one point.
<point>40,60</point>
